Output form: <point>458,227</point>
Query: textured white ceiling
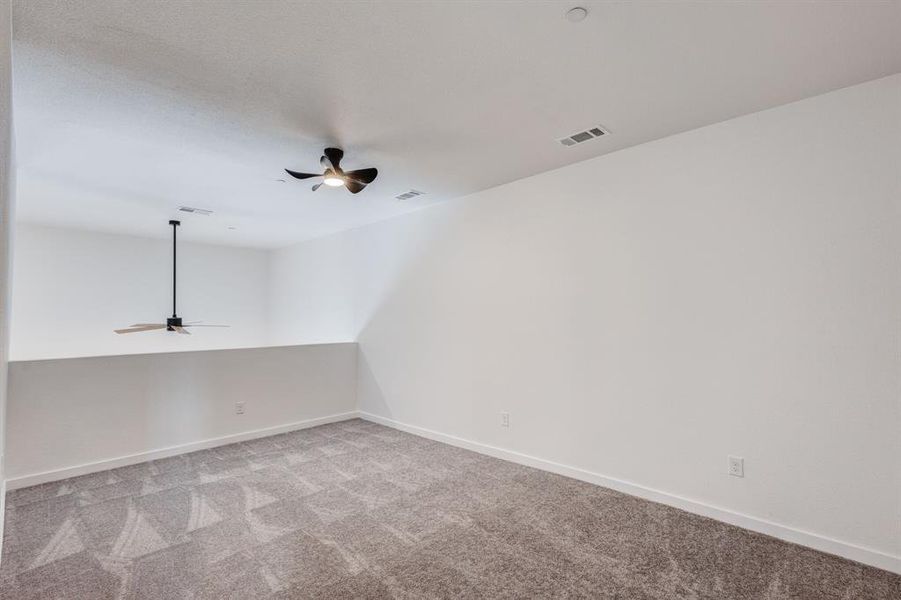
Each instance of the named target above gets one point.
<point>127,110</point>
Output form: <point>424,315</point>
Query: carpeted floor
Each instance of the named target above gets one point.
<point>356,510</point>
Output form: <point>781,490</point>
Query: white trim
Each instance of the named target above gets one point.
<point>853,552</point>
<point>131,459</point>
<point>176,352</point>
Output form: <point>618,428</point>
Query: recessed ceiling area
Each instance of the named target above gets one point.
<point>126,111</point>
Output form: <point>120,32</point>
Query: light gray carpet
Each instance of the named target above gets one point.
<point>355,510</point>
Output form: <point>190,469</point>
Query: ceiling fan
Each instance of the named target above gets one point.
<point>334,176</point>
<point>173,323</point>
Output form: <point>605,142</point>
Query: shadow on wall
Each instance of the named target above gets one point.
<point>392,287</point>
<point>372,398</point>
<point>428,305</point>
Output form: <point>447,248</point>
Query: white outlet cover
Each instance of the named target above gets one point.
<point>736,466</point>
<point>505,419</point>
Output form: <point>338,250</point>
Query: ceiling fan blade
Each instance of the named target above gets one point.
<point>355,187</point>
<point>297,175</point>
<point>364,176</point>
<point>203,325</point>
<point>181,330</point>
<point>148,325</point>
<point>137,329</point>
<point>317,186</point>
<point>334,156</point>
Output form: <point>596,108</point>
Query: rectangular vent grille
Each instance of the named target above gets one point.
<point>196,211</point>
<point>410,194</point>
<point>583,136</point>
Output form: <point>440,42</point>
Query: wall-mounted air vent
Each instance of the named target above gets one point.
<point>196,211</point>
<point>410,194</point>
<point>584,136</point>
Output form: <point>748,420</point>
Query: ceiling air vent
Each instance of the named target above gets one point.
<point>410,194</point>
<point>584,136</point>
<point>196,211</point>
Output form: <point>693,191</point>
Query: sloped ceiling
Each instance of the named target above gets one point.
<point>126,110</point>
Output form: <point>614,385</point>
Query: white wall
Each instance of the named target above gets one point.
<point>144,395</point>
<point>7,202</point>
<point>81,415</point>
<point>729,290</point>
<point>73,288</point>
<point>309,299</point>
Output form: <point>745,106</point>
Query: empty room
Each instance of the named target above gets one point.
<point>439,299</point>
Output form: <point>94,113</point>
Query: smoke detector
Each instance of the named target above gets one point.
<point>584,136</point>
<point>574,15</point>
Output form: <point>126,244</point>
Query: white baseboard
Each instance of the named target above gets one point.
<point>853,552</point>
<point>123,461</point>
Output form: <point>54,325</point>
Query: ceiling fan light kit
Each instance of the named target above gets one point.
<point>334,176</point>
<point>173,323</point>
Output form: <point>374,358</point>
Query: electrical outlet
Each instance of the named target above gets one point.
<point>239,408</point>
<point>736,466</point>
<point>505,419</point>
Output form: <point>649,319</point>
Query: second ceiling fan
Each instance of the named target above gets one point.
<point>173,323</point>
<point>334,176</point>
